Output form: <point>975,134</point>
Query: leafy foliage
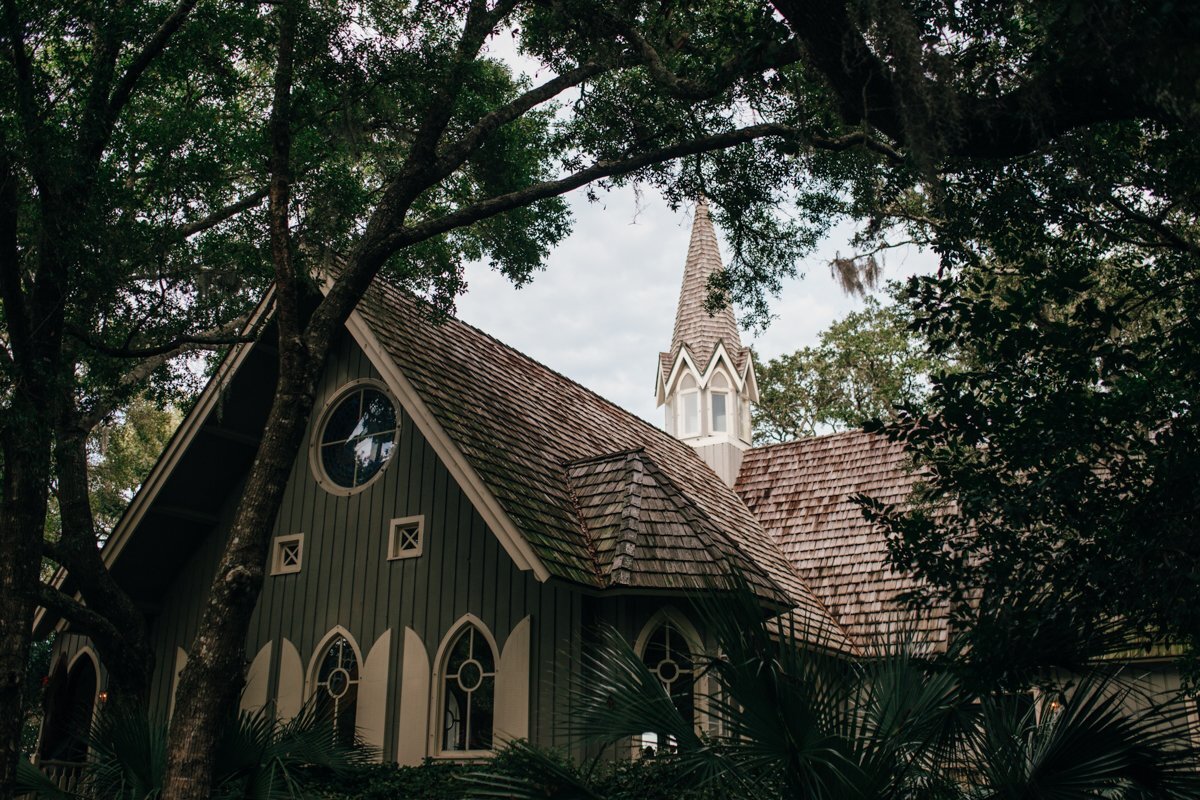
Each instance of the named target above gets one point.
<point>787,720</point>
<point>1065,442</point>
<point>257,758</point>
<point>867,366</point>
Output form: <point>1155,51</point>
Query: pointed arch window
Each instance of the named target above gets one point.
<point>336,695</point>
<point>468,690</point>
<point>669,655</point>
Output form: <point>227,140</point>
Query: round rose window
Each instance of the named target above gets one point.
<point>357,438</point>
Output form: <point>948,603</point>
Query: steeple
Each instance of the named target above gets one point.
<point>706,380</point>
<point>694,326</point>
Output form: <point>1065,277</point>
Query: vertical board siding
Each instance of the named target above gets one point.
<point>347,580</point>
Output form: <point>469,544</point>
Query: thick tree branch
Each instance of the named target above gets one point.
<point>227,334</point>
<point>1134,65</point>
<point>12,296</point>
<point>410,235</point>
<point>27,108</point>
<point>82,618</point>
<point>453,155</point>
<point>221,214</point>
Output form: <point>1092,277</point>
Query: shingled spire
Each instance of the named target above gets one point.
<point>694,326</point>
<point>706,380</point>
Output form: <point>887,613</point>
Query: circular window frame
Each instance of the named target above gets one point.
<point>314,442</point>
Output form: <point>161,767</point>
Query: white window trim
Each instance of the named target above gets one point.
<point>277,565</point>
<point>394,529</point>
<point>314,443</point>
<point>435,710</point>
<point>712,414</point>
<point>681,419</point>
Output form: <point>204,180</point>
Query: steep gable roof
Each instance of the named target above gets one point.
<point>525,431</point>
<point>801,493</point>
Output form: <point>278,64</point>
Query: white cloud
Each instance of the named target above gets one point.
<point>605,305</point>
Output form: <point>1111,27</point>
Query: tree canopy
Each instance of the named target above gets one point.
<point>1039,148</point>
<point>867,366</point>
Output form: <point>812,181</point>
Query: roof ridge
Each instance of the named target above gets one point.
<point>589,542</point>
<point>579,462</point>
<point>813,438</point>
<point>631,518</point>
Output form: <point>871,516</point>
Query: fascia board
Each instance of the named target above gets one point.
<point>684,359</point>
<point>497,519</point>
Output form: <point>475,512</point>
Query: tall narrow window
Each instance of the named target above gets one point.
<point>719,395</point>
<point>668,656</point>
<point>688,421</point>
<point>468,693</point>
<point>337,688</point>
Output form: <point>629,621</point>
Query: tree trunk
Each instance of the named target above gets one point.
<point>212,680</point>
<point>22,517</point>
<point>123,646</point>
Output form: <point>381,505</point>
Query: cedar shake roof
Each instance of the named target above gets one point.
<point>526,431</point>
<point>646,533</point>
<point>695,328</point>
<point>801,493</point>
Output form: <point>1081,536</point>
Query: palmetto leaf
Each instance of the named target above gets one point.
<point>257,758</point>
<point>1097,739</point>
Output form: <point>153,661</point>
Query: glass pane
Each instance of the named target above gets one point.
<point>379,415</point>
<point>371,454</point>
<point>720,420</point>
<point>343,421</point>
<point>691,412</point>
<point>460,652</point>
<point>454,716</point>
<point>482,712</point>
<point>347,714</point>
<point>338,462</point>
<point>656,647</point>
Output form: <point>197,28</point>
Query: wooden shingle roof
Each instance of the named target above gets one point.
<point>801,493</point>
<point>696,329</point>
<point>527,431</point>
<point>647,533</point>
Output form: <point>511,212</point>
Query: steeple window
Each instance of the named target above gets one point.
<point>719,399</point>
<point>687,422</point>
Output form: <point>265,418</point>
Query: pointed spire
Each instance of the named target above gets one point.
<point>694,326</point>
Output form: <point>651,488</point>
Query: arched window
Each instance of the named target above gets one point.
<point>468,688</point>
<point>336,687</point>
<point>687,408</point>
<point>719,405</point>
<point>670,651</point>
<point>670,658</point>
<point>70,704</point>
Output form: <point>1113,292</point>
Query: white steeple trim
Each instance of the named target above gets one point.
<point>720,355</point>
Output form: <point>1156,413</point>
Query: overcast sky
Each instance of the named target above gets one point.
<point>605,305</point>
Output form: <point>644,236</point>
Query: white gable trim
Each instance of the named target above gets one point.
<point>497,519</point>
<point>684,360</point>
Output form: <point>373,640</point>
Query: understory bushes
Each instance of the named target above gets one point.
<point>645,779</point>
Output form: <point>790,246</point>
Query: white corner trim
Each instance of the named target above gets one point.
<point>497,519</point>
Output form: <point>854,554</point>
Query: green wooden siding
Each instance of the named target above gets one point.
<point>347,580</point>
